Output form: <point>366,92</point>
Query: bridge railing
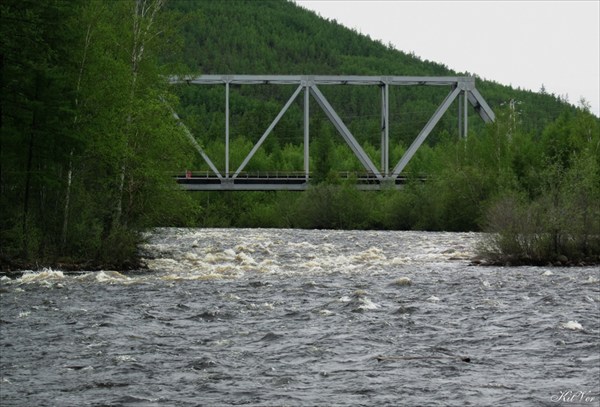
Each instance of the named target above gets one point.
<point>245,174</point>
<point>359,176</point>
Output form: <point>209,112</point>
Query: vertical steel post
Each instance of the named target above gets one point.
<point>226,129</point>
<point>385,121</point>
<point>306,132</point>
<point>465,101</point>
<point>460,114</point>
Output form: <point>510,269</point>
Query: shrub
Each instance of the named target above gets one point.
<point>560,226</point>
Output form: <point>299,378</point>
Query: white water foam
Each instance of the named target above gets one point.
<point>46,275</point>
<point>175,254</point>
<point>573,325</point>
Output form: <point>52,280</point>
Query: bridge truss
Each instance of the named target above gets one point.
<point>374,177</point>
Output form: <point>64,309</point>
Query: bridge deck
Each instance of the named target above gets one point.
<point>278,181</point>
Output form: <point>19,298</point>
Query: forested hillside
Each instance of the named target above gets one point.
<point>88,144</point>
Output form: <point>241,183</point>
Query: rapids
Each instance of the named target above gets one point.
<point>268,317</point>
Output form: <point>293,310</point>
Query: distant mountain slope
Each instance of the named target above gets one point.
<point>279,37</point>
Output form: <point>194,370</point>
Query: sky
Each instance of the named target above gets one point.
<point>524,44</point>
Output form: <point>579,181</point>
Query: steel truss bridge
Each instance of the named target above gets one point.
<point>373,177</point>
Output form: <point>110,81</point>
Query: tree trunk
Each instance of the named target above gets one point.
<point>65,228</point>
<point>119,203</point>
<point>28,179</point>
<point>63,237</point>
<point>143,19</point>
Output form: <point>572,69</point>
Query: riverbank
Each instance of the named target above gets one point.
<point>511,261</point>
<point>15,267</point>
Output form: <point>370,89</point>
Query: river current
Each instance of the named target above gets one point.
<point>277,317</point>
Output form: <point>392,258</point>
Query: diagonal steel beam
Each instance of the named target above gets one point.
<point>268,131</point>
<point>343,130</point>
<point>425,132</point>
<point>191,138</point>
<point>481,106</point>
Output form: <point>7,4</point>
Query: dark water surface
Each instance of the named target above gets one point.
<point>303,318</point>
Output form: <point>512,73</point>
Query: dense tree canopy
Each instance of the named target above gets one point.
<point>87,144</point>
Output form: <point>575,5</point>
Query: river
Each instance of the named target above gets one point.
<point>278,317</point>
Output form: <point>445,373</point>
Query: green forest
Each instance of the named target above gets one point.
<point>89,145</point>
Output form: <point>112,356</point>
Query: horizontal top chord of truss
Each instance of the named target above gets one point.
<point>465,82</point>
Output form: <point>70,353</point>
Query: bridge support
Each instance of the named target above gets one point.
<point>462,115</point>
<point>385,125</point>
<point>306,131</point>
<point>461,87</point>
<point>226,130</point>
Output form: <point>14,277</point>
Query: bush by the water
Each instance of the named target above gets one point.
<point>560,226</point>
